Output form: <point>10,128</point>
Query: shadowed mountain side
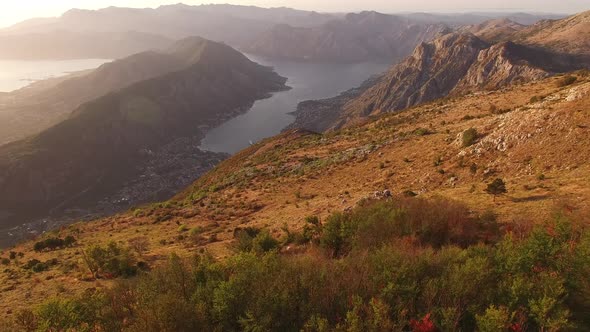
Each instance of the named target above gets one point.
<point>103,143</point>
<point>32,109</point>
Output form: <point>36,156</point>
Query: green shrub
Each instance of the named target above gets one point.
<point>413,264</point>
<point>70,314</point>
<point>494,319</point>
<point>422,132</point>
<point>244,238</point>
<point>567,80</point>
<point>469,137</point>
<point>54,243</point>
<point>264,242</point>
<point>496,188</point>
<point>111,261</point>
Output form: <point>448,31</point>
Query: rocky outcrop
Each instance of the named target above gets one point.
<point>107,142</point>
<point>368,36</point>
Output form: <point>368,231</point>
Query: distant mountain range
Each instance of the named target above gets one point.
<point>115,32</point>
<point>368,36</point>
<point>145,135</point>
<point>276,32</point>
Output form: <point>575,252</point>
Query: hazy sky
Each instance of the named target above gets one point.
<point>12,11</point>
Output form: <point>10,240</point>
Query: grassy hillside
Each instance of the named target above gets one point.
<point>321,201</point>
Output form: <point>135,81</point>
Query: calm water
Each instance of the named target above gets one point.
<point>269,116</point>
<point>18,74</point>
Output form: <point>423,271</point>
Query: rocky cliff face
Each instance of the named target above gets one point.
<point>451,65</point>
<point>107,142</point>
<point>357,37</point>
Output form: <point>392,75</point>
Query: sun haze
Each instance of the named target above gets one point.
<point>16,11</point>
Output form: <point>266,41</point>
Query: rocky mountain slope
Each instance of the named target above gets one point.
<point>570,35</point>
<point>367,36</point>
<point>457,63</point>
<point>450,65</point>
<point>108,143</point>
<point>534,136</point>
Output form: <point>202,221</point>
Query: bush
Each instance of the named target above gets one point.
<point>567,80</point>
<point>111,261</point>
<point>494,319</point>
<point>140,244</point>
<point>414,264</point>
<point>245,237</point>
<point>469,137</point>
<point>70,314</point>
<point>422,132</point>
<point>264,242</point>
<point>54,243</point>
<point>496,188</point>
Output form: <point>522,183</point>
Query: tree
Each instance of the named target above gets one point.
<point>496,187</point>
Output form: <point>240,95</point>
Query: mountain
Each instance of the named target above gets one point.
<point>428,74</point>
<point>475,18</point>
<point>134,137</point>
<point>326,230</point>
<point>570,35</point>
<point>367,36</point>
<point>27,111</point>
<point>143,29</point>
<point>494,30</point>
<point>64,44</point>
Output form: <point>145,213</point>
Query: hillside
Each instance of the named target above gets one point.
<point>136,144</point>
<point>531,135</point>
<point>37,107</point>
<point>367,36</point>
<point>428,74</point>
<point>570,35</point>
